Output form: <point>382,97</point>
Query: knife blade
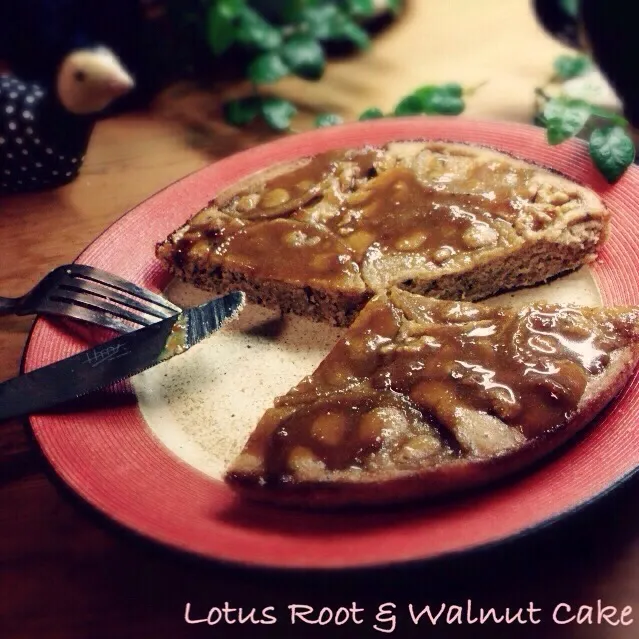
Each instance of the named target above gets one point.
<point>116,359</point>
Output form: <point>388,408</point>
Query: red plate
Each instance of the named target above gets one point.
<point>108,455</point>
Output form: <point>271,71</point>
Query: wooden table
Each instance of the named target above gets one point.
<point>66,574</point>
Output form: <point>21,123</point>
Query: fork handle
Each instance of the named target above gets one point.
<point>10,305</point>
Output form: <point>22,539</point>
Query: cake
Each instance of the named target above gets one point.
<point>321,236</point>
<point>429,392</point>
<point>426,397</point>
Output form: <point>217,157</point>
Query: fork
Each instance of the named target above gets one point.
<point>94,296</point>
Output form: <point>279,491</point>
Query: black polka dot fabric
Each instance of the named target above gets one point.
<point>39,147</point>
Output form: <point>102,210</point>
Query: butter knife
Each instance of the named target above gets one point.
<point>115,360</point>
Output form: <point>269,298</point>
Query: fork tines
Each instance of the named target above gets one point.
<point>92,295</point>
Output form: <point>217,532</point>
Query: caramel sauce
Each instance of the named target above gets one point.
<point>432,212</point>
<point>398,212</point>
<point>345,433</point>
<point>408,393</point>
<point>285,193</point>
<point>323,165</point>
<point>207,231</point>
<point>353,359</point>
<point>292,251</point>
<point>250,229</point>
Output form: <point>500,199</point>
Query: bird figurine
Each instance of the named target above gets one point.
<point>45,130</point>
<point>133,29</point>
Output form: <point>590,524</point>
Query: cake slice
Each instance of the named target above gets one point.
<point>423,397</point>
<point>321,236</point>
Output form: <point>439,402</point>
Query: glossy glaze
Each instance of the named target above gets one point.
<point>415,385</point>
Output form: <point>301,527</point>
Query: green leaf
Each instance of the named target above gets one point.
<point>394,5</point>
<point>328,119</point>
<point>267,68</point>
<point>220,24</point>
<point>360,8</point>
<point>320,22</point>
<point>442,99</point>
<point>565,118</point>
<point>329,22</point>
<point>571,66</point>
<point>373,113</point>
<point>445,99</point>
<point>612,151</point>
<point>450,88</point>
<point>350,30</point>
<point>607,114</point>
<point>425,90</point>
<point>291,11</point>
<point>571,7</point>
<point>278,113</point>
<point>304,56</point>
<point>410,105</point>
<point>442,104</point>
<point>255,31</point>
<point>230,8</point>
<point>242,111</point>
